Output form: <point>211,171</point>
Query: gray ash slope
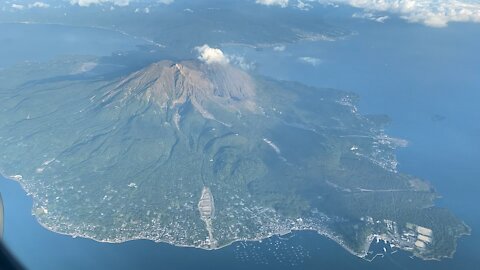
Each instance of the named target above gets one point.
<point>130,157</point>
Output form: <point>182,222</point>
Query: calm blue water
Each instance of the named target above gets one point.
<point>21,42</point>
<point>407,71</point>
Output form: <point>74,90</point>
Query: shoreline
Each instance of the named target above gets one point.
<point>324,232</point>
<point>98,28</point>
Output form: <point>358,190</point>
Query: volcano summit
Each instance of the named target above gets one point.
<point>172,85</point>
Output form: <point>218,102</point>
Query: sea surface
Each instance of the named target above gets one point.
<point>427,80</point>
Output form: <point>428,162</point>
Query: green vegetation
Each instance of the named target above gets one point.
<point>127,158</point>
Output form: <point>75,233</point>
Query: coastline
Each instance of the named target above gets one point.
<point>112,30</point>
<point>325,232</point>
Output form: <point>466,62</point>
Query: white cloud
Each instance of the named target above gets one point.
<point>143,10</point>
<point>86,3</point>
<point>279,48</point>
<point>435,13</point>
<point>310,60</point>
<point>17,6</point>
<point>370,16</point>
<point>303,6</point>
<point>281,3</point>
<point>211,55</point>
<point>38,5</point>
<point>241,62</point>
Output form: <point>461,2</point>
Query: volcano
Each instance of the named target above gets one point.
<point>151,154</point>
